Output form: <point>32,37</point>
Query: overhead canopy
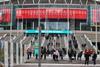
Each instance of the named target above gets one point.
<point>52,1</point>
<point>50,31</point>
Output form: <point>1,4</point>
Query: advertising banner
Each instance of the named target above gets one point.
<point>95,14</point>
<point>50,13</point>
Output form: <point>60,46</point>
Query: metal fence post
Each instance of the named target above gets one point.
<point>5,53</point>
<point>39,35</point>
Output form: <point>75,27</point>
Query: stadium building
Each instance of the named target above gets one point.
<point>67,24</point>
<point>53,14</point>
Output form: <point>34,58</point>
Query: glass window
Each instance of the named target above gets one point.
<point>53,25</point>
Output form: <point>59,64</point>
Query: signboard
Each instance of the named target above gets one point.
<point>95,15</point>
<point>50,13</point>
<point>5,15</point>
<point>50,31</point>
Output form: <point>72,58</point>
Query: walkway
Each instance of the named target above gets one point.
<point>57,65</point>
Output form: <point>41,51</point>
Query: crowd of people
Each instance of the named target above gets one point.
<point>58,54</point>
<point>87,54</point>
<point>46,52</point>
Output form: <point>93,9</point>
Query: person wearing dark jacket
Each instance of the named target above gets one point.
<point>70,54</point>
<point>79,55</point>
<point>94,57</point>
<point>61,54</point>
<point>87,55</point>
<point>43,52</point>
<point>74,54</point>
<point>64,51</point>
<point>87,58</point>
<point>29,52</point>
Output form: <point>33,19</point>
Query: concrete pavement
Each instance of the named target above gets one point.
<point>57,65</point>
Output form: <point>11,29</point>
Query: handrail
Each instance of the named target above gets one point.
<point>43,40</point>
<point>0,37</point>
<point>65,42</point>
<point>14,37</point>
<point>27,40</point>
<point>23,39</point>
<point>89,41</point>
<point>4,35</point>
<point>18,37</point>
<point>21,52</point>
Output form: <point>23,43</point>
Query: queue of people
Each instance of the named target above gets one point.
<point>46,52</point>
<point>58,54</point>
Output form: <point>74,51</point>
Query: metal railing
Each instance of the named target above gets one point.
<point>90,42</point>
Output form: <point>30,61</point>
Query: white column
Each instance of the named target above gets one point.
<point>43,40</point>
<point>21,50</point>
<point>5,53</point>
<point>17,25</point>
<point>46,21</point>
<point>45,25</point>
<point>57,26</point>
<point>25,51</point>
<point>96,31</point>
<point>11,53</point>
<point>80,26</point>
<point>33,1</point>
<point>96,35</point>
<point>21,25</point>
<point>91,28</point>
<point>33,25</point>
<point>25,24</point>
<point>21,53</point>
<point>66,42</point>
<point>17,53</point>
<point>68,28</point>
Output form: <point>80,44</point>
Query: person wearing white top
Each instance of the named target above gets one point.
<point>55,55</point>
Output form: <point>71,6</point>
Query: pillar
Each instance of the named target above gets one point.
<point>11,54</point>
<point>17,53</point>
<point>5,53</point>
<point>21,53</point>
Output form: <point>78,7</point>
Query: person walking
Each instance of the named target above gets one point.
<point>55,55</point>
<point>94,57</point>
<point>61,53</point>
<point>44,52</point>
<point>74,54</point>
<point>87,55</point>
<point>79,55</point>
<point>70,55</point>
<point>87,59</point>
<point>64,51</point>
<point>29,53</point>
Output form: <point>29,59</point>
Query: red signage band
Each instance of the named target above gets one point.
<point>95,15</point>
<point>5,15</point>
<point>50,13</point>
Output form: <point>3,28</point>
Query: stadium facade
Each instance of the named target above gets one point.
<point>57,18</point>
<point>53,14</point>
